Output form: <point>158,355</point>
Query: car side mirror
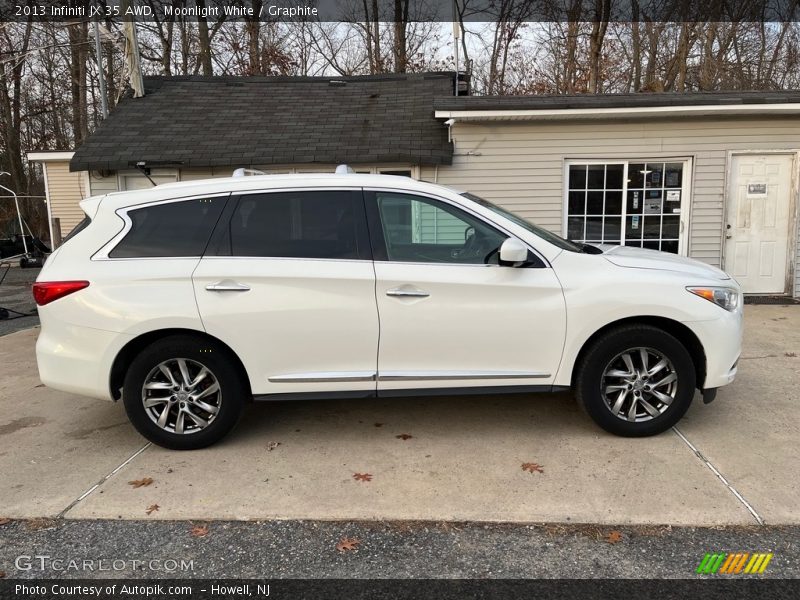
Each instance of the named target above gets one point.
<point>513,252</point>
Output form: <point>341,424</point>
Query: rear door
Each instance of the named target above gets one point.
<point>288,284</point>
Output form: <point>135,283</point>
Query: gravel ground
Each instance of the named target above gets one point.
<point>308,549</point>
<point>15,294</point>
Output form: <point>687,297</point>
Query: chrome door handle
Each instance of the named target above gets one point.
<point>227,285</point>
<point>407,293</point>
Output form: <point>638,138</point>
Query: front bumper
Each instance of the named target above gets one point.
<point>722,343</point>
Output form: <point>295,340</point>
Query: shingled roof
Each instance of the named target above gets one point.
<point>197,121</point>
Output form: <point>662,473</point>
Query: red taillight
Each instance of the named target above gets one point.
<point>45,292</point>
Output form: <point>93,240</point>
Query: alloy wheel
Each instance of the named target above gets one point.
<point>639,384</point>
<point>181,396</point>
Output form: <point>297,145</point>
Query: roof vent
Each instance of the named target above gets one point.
<point>337,83</point>
<point>344,170</point>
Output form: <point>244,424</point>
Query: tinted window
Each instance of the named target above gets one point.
<point>418,229</point>
<point>173,229</point>
<point>324,224</point>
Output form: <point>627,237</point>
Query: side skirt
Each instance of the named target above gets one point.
<point>410,393</point>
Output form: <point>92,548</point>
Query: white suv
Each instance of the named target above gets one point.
<point>189,299</point>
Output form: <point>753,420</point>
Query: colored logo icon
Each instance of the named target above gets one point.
<point>734,563</point>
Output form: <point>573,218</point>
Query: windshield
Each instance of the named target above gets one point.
<point>534,229</point>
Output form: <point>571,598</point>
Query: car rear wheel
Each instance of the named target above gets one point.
<point>183,393</point>
<point>636,381</point>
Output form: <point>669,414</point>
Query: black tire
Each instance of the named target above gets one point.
<point>589,382</point>
<point>233,391</point>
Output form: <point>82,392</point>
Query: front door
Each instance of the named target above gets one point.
<point>450,316</point>
<point>287,283</point>
<point>758,222</point>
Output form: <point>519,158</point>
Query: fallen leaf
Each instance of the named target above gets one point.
<point>4,521</point>
<point>378,424</point>
<point>144,482</point>
<point>40,523</point>
<point>152,508</point>
<point>348,544</point>
<point>2,574</point>
<point>169,470</point>
<point>614,537</point>
<point>790,354</point>
<point>362,476</point>
<point>272,445</point>
<point>532,468</point>
<point>199,530</point>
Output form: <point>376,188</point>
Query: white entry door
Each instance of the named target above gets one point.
<point>759,219</point>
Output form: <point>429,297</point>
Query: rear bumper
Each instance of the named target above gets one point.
<point>77,359</point>
<point>722,344</point>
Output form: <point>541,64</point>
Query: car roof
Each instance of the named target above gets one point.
<point>219,185</point>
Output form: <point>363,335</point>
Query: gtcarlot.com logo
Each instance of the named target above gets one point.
<point>734,563</point>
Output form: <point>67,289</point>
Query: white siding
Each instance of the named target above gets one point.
<point>65,190</point>
<point>520,164</point>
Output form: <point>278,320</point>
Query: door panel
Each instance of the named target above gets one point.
<point>291,290</point>
<point>478,325</point>
<point>759,217</point>
<point>303,326</point>
<point>448,319</point>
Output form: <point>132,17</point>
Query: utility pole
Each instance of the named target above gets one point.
<point>101,74</point>
<point>132,52</point>
<point>456,38</point>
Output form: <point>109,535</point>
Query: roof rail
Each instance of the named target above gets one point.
<point>344,170</point>
<point>241,172</point>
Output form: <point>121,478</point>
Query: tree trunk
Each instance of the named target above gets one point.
<point>204,41</point>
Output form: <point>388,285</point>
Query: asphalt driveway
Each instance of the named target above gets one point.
<point>439,459</point>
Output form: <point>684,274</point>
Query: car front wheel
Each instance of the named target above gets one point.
<point>183,393</point>
<point>636,381</point>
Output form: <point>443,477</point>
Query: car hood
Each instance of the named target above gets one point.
<point>639,258</point>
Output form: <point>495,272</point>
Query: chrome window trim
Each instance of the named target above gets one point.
<point>480,217</point>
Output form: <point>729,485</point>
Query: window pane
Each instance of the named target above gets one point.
<point>650,245</point>
<point>577,177</point>
<point>171,229</point>
<point>673,176</point>
<point>417,229</point>
<point>614,177</point>
<point>577,203</point>
<point>670,246</point>
<point>611,229</point>
<point>652,203</point>
<point>594,228</point>
<point>636,175</point>
<point>613,203</point>
<point>670,227</point>
<point>633,227</point>
<point>655,176</point>
<point>296,225</point>
<point>635,202</point>
<point>652,227</point>
<point>594,203</point>
<point>596,177</point>
<point>575,228</point>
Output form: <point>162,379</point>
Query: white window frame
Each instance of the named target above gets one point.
<point>686,192</point>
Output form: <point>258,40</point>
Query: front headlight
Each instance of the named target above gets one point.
<point>724,297</point>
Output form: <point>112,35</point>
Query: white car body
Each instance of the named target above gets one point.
<point>313,326</point>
